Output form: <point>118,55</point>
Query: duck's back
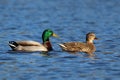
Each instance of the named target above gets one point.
<point>78,47</point>
<point>72,46</point>
<point>28,43</point>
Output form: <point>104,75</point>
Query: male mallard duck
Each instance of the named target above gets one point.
<point>33,45</point>
<point>87,47</point>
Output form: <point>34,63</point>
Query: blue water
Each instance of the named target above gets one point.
<point>71,20</point>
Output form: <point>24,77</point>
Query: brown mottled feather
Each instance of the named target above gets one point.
<point>87,47</point>
<point>79,47</point>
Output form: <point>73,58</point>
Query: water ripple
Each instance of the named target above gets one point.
<point>71,20</point>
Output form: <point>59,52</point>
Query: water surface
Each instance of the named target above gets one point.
<point>71,20</point>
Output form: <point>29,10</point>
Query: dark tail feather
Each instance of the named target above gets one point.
<point>13,44</point>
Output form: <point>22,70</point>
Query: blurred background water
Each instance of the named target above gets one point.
<point>71,20</point>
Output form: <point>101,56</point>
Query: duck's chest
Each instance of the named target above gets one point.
<point>48,45</point>
<point>90,48</point>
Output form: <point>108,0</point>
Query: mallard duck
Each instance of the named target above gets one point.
<point>33,45</point>
<point>87,47</point>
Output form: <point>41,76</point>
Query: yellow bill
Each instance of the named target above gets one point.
<point>55,35</point>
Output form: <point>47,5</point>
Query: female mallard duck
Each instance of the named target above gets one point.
<point>87,47</point>
<point>33,45</point>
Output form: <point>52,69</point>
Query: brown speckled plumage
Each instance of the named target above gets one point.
<point>87,47</point>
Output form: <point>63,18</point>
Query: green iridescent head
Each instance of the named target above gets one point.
<point>47,34</point>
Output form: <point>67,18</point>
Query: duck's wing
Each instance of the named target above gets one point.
<point>73,46</point>
<point>28,43</point>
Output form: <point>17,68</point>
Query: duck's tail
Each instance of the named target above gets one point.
<point>13,44</point>
<point>62,46</point>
